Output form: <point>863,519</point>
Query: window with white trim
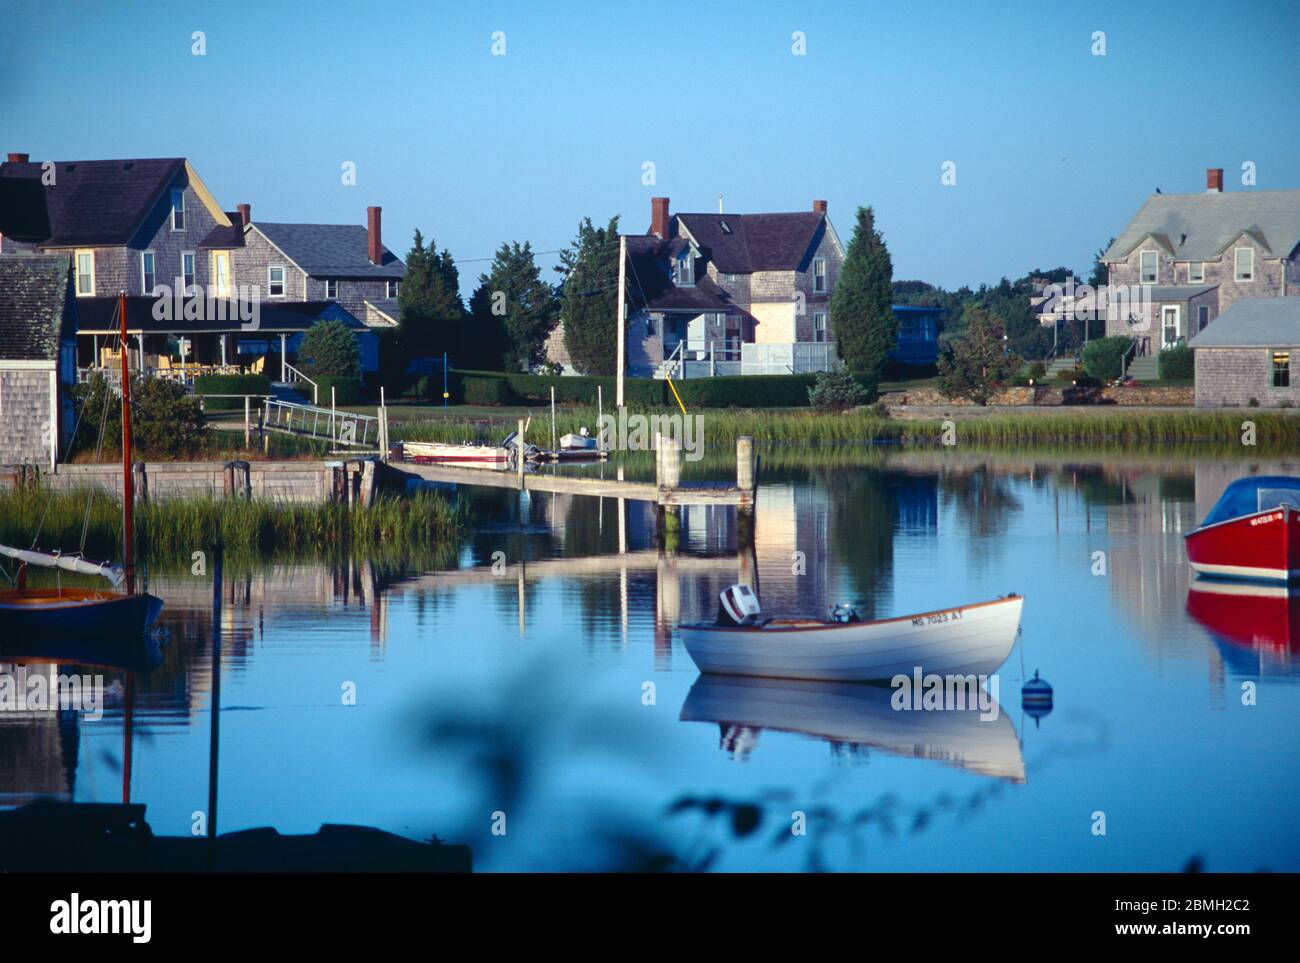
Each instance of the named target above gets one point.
<point>331,289</point>
<point>1244,263</point>
<point>391,288</point>
<point>85,271</point>
<point>187,270</point>
<point>684,269</point>
<point>275,281</point>
<point>819,325</point>
<point>1196,271</point>
<point>819,275</point>
<point>148,272</point>
<point>178,209</point>
<point>1148,267</point>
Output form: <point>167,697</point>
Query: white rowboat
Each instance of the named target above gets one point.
<point>969,639</point>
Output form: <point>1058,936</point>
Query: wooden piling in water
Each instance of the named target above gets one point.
<point>519,454</point>
<point>745,463</point>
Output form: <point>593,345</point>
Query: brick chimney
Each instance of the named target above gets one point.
<point>1214,180</point>
<point>659,216</point>
<point>245,214</point>
<point>376,245</point>
<point>819,207</point>
<point>19,158</point>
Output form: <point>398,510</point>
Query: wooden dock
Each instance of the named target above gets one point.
<point>667,490</point>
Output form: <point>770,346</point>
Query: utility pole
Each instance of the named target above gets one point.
<point>622,312</point>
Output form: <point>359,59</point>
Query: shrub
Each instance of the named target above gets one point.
<point>536,389</point>
<point>165,421</point>
<point>836,390</point>
<point>1177,363</point>
<point>486,391</point>
<point>329,348</point>
<point>347,391</point>
<point>1103,359</point>
<point>1037,372</point>
<point>246,384</point>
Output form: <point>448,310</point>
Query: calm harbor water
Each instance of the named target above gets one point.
<point>552,694</point>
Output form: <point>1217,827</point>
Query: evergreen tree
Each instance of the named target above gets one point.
<point>976,364</point>
<point>433,317</point>
<point>329,349</point>
<point>589,297</point>
<point>513,310</point>
<point>861,307</point>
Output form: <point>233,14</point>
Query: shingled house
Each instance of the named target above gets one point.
<point>150,229</point>
<point>1245,358</point>
<point>37,364</point>
<point>1194,255</point>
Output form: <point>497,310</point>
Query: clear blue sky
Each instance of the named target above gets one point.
<point>1055,148</point>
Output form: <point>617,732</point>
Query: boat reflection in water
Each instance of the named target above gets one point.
<point>1255,625</point>
<point>857,714</point>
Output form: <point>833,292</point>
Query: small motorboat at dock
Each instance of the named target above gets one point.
<point>1253,532</point>
<point>967,639</point>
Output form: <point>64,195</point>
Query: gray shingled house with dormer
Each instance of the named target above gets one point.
<point>1195,255</point>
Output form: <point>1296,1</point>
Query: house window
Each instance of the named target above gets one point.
<point>684,269</point>
<point>331,288</point>
<point>85,273</point>
<point>178,210</point>
<point>1244,258</point>
<point>1281,369</point>
<point>275,282</point>
<point>1150,263</point>
<point>148,272</point>
<point>187,270</point>
<point>391,288</point>
<point>221,273</point>
<point>819,275</point>
<point>1196,271</point>
<point>1202,317</point>
<point>819,325</point>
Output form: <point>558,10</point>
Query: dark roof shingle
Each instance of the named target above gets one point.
<point>744,243</point>
<point>91,203</point>
<point>330,250</point>
<point>35,306</point>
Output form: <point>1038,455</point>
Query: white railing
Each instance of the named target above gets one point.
<point>295,377</point>
<point>799,357</point>
<point>323,424</point>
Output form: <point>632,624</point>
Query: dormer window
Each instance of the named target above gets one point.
<point>1148,266</point>
<point>178,210</point>
<point>724,227</point>
<point>684,269</point>
<point>1244,258</point>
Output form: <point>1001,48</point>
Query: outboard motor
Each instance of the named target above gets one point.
<point>738,606</point>
<point>844,612</point>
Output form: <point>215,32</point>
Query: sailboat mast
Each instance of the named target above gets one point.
<point>128,486</point>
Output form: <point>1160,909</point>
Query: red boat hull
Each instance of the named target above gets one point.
<point>1262,546</point>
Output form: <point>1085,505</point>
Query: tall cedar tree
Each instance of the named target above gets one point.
<point>861,312</point>
<point>976,364</point>
<point>513,311</point>
<point>433,317</point>
<point>589,297</point>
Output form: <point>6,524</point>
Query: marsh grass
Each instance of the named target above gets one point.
<point>174,527</point>
<point>1137,430</point>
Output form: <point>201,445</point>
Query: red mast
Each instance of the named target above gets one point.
<point>128,486</point>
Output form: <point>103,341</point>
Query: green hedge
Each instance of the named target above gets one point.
<point>746,391</point>
<point>737,391</point>
<point>347,391</point>
<point>1103,359</point>
<point>246,384</point>
<point>1177,363</point>
<point>486,391</point>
